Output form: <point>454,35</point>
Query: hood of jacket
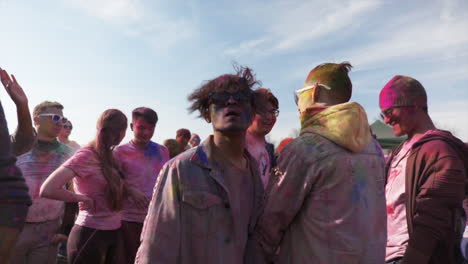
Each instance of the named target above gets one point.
<point>344,124</point>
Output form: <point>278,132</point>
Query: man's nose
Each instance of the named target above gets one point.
<point>231,100</point>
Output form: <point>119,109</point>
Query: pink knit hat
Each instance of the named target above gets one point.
<point>403,91</point>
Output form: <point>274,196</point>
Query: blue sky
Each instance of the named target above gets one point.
<point>91,55</point>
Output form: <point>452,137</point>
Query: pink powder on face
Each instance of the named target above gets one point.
<point>402,91</point>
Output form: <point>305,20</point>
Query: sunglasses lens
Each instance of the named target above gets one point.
<point>221,98</point>
<point>55,118</point>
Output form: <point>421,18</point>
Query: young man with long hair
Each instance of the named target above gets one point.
<point>207,199</point>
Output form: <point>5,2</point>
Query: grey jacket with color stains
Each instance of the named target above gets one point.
<point>326,200</point>
<point>189,218</point>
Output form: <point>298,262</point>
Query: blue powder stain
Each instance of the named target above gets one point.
<point>201,155</point>
<point>152,150</point>
<point>359,184</point>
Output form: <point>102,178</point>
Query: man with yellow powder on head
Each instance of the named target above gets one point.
<point>326,202</point>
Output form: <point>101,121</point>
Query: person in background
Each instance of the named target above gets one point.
<point>266,105</point>
<point>38,240</point>
<point>173,146</point>
<point>207,199</point>
<point>140,161</point>
<point>71,208</point>
<point>183,137</point>
<point>14,196</point>
<point>325,202</point>
<point>194,140</point>
<point>64,135</point>
<point>425,180</point>
<point>24,137</point>
<point>283,144</point>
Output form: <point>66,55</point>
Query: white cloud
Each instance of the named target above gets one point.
<point>416,35</point>
<point>295,24</point>
<point>111,10</point>
<point>451,116</point>
<point>145,21</point>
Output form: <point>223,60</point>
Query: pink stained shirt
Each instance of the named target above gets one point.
<point>141,168</point>
<point>259,152</point>
<point>37,165</point>
<point>90,181</point>
<point>397,228</point>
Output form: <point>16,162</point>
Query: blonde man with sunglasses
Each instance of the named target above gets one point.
<point>325,202</point>
<point>38,240</point>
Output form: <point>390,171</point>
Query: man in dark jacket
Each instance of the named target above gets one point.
<point>14,197</point>
<point>425,183</point>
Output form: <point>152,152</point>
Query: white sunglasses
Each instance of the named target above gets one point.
<point>303,89</point>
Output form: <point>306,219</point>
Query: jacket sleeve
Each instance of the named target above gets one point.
<point>160,238</point>
<point>291,183</point>
<point>442,191</point>
<point>14,195</point>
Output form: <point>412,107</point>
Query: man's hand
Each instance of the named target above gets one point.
<point>57,238</point>
<point>141,201</point>
<point>13,88</point>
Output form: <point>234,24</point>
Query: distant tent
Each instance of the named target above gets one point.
<point>385,136</point>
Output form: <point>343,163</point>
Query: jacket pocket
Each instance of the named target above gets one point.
<point>201,200</point>
<point>200,211</point>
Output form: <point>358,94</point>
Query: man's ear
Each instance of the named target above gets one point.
<point>206,116</point>
<point>131,126</point>
<point>36,120</point>
<point>317,93</point>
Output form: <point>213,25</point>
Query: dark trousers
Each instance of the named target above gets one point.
<point>395,261</point>
<point>87,245</point>
<point>131,232</point>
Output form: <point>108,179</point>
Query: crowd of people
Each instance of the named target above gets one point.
<point>326,196</point>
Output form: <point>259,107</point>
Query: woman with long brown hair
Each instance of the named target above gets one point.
<point>99,191</point>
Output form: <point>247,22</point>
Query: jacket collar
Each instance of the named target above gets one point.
<point>203,157</point>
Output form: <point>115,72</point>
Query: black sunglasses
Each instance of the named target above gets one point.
<point>68,127</point>
<point>221,98</point>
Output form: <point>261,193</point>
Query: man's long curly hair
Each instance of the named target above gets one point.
<point>244,79</point>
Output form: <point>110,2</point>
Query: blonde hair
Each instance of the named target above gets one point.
<point>110,125</point>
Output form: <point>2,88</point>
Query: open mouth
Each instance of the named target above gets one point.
<point>267,123</point>
<point>232,113</point>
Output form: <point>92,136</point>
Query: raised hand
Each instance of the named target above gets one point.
<point>13,89</point>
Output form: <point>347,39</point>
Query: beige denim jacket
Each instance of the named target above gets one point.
<point>189,218</point>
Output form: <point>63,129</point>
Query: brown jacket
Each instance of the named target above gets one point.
<point>436,173</point>
<point>190,219</point>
